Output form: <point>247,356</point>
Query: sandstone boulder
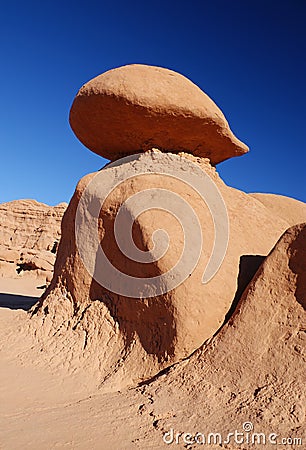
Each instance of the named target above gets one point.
<point>136,107</point>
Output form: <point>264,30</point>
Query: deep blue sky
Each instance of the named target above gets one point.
<point>249,56</point>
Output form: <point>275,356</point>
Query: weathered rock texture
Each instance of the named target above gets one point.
<point>253,370</point>
<point>122,341</point>
<point>137,107</point>
<point>29,237</point>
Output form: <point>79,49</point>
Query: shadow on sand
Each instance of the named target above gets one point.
<point>13,301</point>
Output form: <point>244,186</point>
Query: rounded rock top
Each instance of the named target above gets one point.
<point>137,107</point>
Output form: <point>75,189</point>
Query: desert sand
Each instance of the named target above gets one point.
<point>87,364</point>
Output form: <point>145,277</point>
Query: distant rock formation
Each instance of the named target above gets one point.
<point>29,237</point>
<point>135,108</point>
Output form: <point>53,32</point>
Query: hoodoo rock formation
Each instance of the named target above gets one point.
<point>126,340</point>
<point>202,354</point>
<point>135,108</point>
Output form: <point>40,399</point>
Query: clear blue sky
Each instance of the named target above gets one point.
<point>249,56</point>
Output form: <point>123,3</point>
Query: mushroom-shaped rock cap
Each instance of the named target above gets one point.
<point>137,107</point>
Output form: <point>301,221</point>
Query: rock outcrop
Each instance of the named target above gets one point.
<point>127,339</point>
<point>137,107</point>
<point>29,237</point>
